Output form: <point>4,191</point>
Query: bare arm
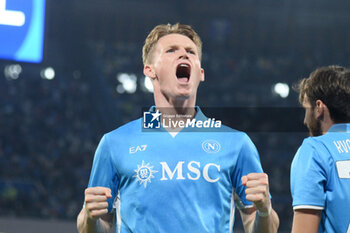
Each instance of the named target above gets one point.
<point>94,216</point>
<point>252,222</point>
<point>306,221</point>
<point>261,218</point>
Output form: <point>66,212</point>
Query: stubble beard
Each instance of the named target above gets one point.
<point>315,128</point>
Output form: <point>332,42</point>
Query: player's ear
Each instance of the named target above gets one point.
<point>320,109</point>
<point>149,71</point>
<point>202,75</point>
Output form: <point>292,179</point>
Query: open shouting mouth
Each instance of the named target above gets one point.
<point>183,72</point>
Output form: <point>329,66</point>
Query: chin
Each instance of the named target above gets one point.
<point>184,93</point>
<point>183,96</point>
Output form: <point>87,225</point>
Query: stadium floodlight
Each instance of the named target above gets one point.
<point>281,89</point>
<point>120,89</point>
<point>127,83</point>
<point>12,71</point>
<point>48,73</point>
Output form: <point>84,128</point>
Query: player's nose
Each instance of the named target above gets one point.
<point>183,53</point>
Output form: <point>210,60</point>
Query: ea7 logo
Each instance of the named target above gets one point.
<point>134,149</point>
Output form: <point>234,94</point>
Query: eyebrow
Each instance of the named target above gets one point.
<point>177,46</point>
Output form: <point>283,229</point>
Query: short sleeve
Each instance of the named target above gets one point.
<point>248,161</point>
<point>103,172</point>
<point>308,178</point>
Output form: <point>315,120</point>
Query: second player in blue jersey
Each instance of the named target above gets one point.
<point>320,172</point>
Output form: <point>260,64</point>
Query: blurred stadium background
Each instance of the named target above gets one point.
<point>53,113</point>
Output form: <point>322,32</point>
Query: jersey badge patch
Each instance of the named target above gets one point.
<point>211,146</point>
<point>144,173</point>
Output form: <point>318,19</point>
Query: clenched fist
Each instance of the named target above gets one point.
<point>257,191</point>
<point>96,204</point>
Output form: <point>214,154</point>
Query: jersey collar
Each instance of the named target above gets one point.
<point>343,127</point>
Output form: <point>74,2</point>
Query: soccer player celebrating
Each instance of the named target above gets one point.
<point>173,181</point>
<point>320,172</point>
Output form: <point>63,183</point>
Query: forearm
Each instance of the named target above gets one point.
<point>88,225</point>
<point>266,224</point>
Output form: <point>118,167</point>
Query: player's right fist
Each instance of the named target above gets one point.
<point>96,204</point>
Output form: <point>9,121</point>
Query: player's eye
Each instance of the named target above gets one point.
<point>170,50</point>
<point>191,52</point>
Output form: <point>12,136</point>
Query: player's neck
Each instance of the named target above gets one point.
<point>179,106</point>
<point>326,123</point>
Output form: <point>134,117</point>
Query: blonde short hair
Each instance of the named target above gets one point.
<point>166,29</point>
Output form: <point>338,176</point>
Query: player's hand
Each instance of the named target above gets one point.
<point>96,204</point>
<point>257,191</point>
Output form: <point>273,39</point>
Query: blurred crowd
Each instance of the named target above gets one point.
<point>47,138</point>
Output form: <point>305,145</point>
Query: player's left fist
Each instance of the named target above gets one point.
<point>257,191</point>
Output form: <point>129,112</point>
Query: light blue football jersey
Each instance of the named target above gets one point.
<point>320,178</point>
<point>187,183</point>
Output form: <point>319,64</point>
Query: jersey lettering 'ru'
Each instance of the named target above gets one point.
<point>186,183</point>
<point>320,178</point>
